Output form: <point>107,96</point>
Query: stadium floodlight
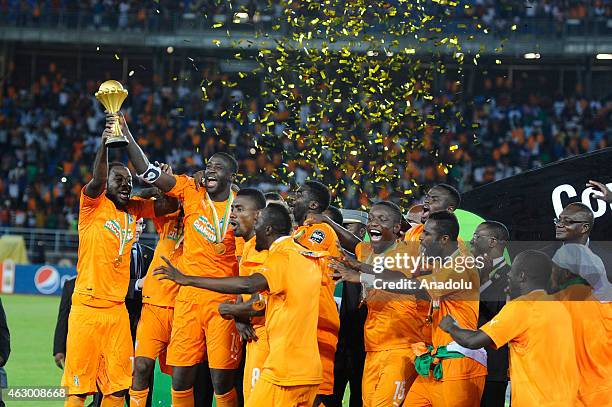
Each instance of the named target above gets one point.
<point>532,55</point>
<point>170,50</point>
<point>604,56</point>
<point>240,18</point>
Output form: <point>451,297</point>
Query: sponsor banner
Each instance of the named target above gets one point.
<point>44,279</point>
<point>528,202</point>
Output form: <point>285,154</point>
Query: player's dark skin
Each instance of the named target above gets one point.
<point>358,229</point>
<point>306,211</point>
<point>265,235</point>
<point>437,199</point>
<point>519,284</point>
<point>143,366</point>
<point>242,219</point>
<point>118,183</point>
<point>218,179</point>
<point>433,243</point>
<point>384,228</point>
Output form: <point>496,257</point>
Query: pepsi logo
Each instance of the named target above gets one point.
<point>47,280</point>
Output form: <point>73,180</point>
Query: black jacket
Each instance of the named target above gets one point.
<point>138,269</point>
<point>5,336</point>
<point>61,327</point>
<point>351,347</point>
<point>492,300</point>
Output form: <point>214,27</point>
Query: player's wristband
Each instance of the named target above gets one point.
<point>367,279</point>
<point>151,174</point>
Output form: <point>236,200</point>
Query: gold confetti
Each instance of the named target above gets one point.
<point>356,104</point>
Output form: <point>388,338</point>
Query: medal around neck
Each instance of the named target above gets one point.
<point>220,230</point>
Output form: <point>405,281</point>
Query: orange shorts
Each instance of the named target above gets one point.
<point>426,392</point>
<point>98,350</point>
<point>327,342</point>
<point>256,354</point>
<point>387,375</point>
<point>327,363</point>
<point>153,334</point>
<point>198,329</point>
<point>266,393</point>
<point>599,398</point>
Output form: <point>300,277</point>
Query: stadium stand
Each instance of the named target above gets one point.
<point>49,132</point>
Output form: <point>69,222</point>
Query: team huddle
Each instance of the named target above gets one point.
<point>233,267</point>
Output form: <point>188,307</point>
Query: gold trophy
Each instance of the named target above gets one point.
<point>112,94</point>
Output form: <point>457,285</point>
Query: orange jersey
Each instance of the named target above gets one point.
<point>294,282</point>
<point>413,235</point>
<point>543,368</point>
<point>170,245</point>
<point>321,237</point>
<point>592,326</point>
<point>462,303</point>
<point>394,321</point>
<point>199,257</point>
<point>239,247</point>
<point>102,230</point>
<point>251,261</point>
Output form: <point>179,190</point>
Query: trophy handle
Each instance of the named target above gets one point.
<point>118,139</point>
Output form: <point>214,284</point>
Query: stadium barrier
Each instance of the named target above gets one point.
<point>37,279</point>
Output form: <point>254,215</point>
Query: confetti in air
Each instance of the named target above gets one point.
<point>350,91</point>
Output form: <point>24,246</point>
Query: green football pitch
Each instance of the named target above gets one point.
<point>31,320</point>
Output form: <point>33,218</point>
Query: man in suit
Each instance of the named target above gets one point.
<point>140,261</point>
<point>489,242</point>
<point>574,225</point>
<point>350,353</point>
<point>61,327</point>
<point>5,350</point>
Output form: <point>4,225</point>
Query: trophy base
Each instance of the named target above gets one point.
<point>116,142</point>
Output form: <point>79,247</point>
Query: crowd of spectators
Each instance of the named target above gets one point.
<point>169,14</point>
<point>49,133</point>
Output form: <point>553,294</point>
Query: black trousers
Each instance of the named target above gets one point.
<point>203,389</point>
<point>347,372</point>
<point>494,394</point>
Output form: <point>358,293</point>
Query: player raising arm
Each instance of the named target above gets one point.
<point>98,326</point>
<point>209,249</point>
<point>291,374</point>
<point>543,368</point>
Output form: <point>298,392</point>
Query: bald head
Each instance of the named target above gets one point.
<point>530,270</point>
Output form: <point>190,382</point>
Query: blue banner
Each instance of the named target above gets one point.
<point>43,279</point>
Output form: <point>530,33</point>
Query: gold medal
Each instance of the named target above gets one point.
<point>219,230</point>
<point>219,248</point>
<point>123,239</point>
<point>259,304</point>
